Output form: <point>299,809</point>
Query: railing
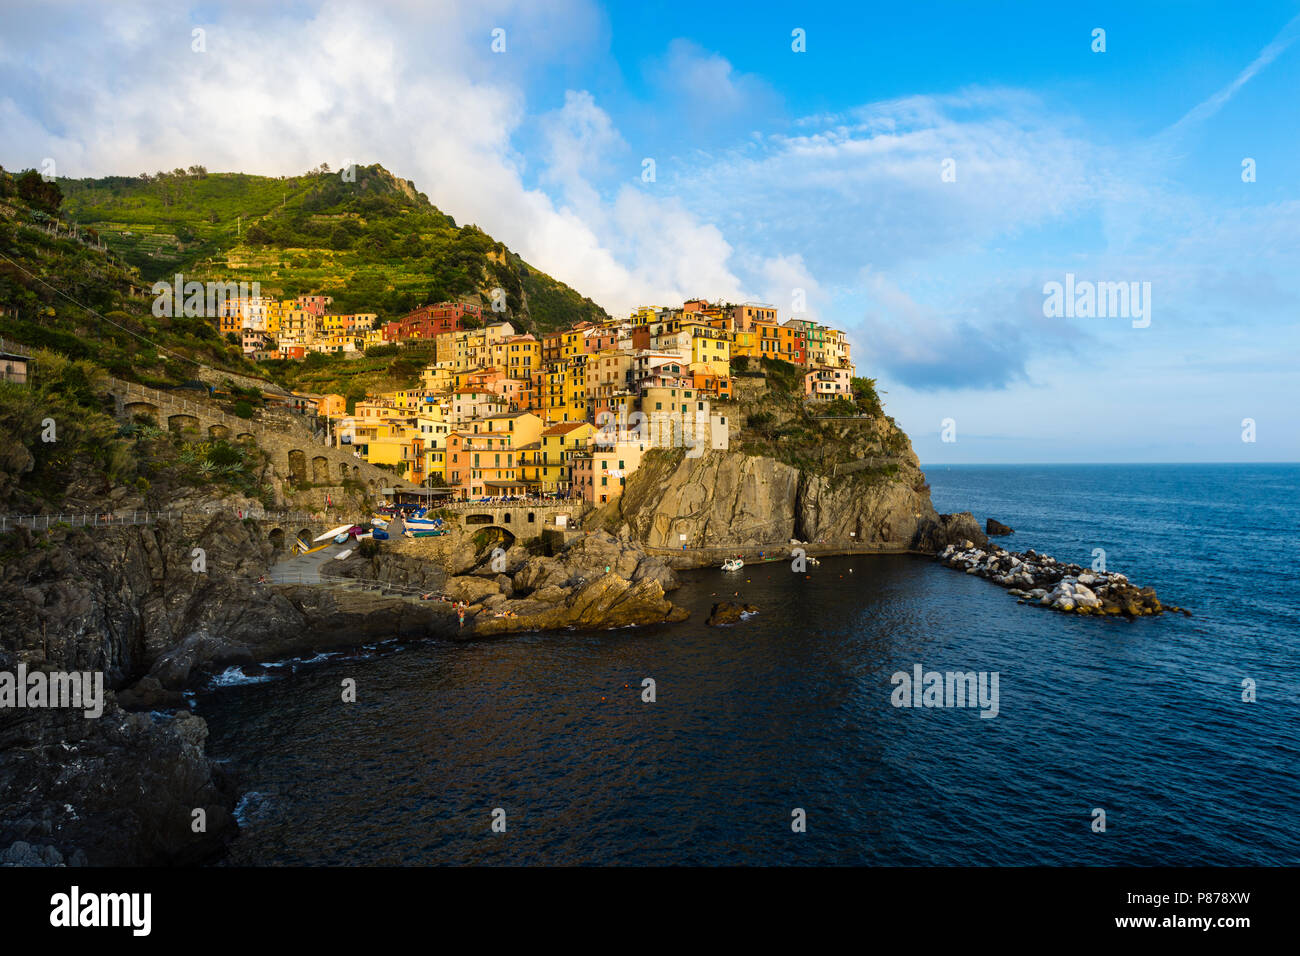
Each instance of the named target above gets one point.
<point>111,519</point>
<point>14,347</point>
<point>459,505</point>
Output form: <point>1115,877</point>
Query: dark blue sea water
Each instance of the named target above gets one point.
<point>791,709</point>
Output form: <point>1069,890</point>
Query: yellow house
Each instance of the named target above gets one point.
<point>575,388</point>
<point>553,404</point>
<point>711,347</point>
<point>744,344</point>
<point>559,444</point>
<point>571,344</point>
<point>433,434</point>
<point>524,428</point>
<point>518,356</point>
<point>438,378</point>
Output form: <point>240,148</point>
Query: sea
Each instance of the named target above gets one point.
<point>781,740</point>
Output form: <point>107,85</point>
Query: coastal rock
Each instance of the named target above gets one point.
<point>589,557</point>
<point>609,601</point>
<point>117,790</point>
<point>148,693</point>
<point>994,527</point>
<point>469,589</point>
<point>726,613</point>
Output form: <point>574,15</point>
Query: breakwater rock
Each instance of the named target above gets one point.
<point>1041,579</point>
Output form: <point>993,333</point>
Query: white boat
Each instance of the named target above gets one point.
<point>732,564</point>
<point>342,554</point>
<point>334,533</point>
<point>422,524</point>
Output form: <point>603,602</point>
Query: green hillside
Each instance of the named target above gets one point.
<point>60,290</point>
<point>375,244</point>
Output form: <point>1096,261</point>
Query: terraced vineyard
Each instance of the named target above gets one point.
<point>375,244</point>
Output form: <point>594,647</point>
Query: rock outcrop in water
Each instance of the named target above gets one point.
<point>600,581</point>
<point>726,613</point>
<point>1041,579</point>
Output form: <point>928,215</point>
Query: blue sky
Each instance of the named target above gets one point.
<point>778,171</point>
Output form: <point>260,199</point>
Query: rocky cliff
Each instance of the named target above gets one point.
<point>729,500</point>
<point>835,476</point>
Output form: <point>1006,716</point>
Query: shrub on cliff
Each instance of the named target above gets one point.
<point>782,376</point>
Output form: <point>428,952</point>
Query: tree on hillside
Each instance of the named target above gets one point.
<point>36,192</point>
<point>865,396</point>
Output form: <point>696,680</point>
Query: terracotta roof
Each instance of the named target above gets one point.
<point>563,428</point>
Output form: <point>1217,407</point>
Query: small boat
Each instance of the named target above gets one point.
<point>423,523</point>
<point>380,536</point>
<point>732,564</point>
<point>367,535</point>
<point>342,554</point>
<point>333,533</point>
<point>424,534</point>
<point>341,538</point>
<point>380,520</point>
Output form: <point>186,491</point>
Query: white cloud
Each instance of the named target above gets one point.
<point>362,84</point>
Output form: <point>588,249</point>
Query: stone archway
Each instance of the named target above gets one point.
<point>343,471</point>
<point>320,470</point>
<point>134,409</point>
<point>277,538</point>
<point>182,423</point>
<point>305,536</point>
<point>298,465</point>
<point>492,536</point>
<point>245,437</point>
<point>218,431</point>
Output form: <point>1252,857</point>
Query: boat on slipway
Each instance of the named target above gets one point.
<point>732,564</point>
